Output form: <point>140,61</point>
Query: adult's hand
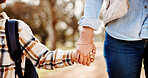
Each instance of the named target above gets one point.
<point>85,46</point>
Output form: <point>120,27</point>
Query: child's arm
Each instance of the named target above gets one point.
<point>38,53</point>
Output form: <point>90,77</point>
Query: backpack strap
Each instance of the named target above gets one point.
<point>11,30</point>
<point>15,52</point>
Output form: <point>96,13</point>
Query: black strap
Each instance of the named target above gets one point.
<point>15,52</point>
<point>11,30</point>
<point>30,71</point>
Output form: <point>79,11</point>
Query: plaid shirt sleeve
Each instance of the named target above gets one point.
<point>38,53</point>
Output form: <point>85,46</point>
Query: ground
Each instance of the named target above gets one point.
<point>95,70</point>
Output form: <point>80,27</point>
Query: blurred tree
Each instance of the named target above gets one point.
<point>51,20</point>
<point>67,18</point>
<point>53,24</point>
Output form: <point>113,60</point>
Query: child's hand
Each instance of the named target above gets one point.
<point>90,60</point>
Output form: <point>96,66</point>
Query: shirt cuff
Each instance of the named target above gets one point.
<point>68,59</point>
<point>90,22</point>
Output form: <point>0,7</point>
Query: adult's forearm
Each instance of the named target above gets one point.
<point>86,35</point>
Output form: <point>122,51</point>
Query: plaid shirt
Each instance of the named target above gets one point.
<point>38,53</point>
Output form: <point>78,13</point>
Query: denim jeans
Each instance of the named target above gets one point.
<point>124,58</point>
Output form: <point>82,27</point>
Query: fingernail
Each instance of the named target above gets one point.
<point>76,62</point>
<point>94,51</point>
<point>91,56</point>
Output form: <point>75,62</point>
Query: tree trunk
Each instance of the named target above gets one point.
<point>53,24</point>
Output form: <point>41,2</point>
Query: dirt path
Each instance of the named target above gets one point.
<point>96,70</point>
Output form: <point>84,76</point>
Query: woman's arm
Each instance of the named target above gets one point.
<point>90,22</point>
<point>91,14</point>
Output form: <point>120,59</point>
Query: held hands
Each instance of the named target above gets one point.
<point>85,48</point>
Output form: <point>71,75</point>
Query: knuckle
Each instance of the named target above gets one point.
<point>77,51</point>
<point>87,55</point>
<point>80,63</point>
<point>88,64</point>
<point>92,60</point>
<point>75,58</point>
<point>83,64</point>
<point>93,54</point>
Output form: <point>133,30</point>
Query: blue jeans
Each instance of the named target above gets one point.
<point>123,58</point>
